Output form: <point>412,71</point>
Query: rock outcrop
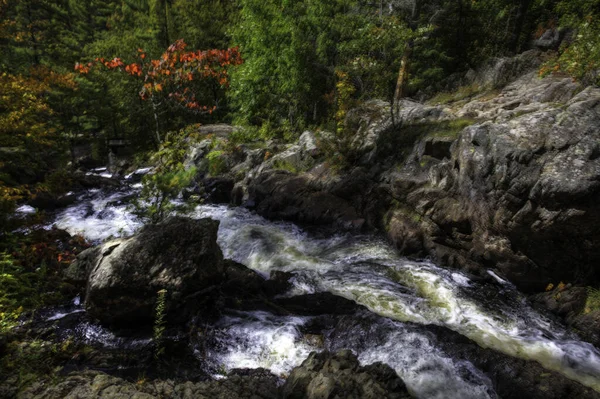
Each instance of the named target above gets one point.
<point>179,255</point>
<point>505,178</point>
<point>520,190</point>
<point>325,375</point>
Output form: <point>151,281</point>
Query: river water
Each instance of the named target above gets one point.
<point>402,297</point>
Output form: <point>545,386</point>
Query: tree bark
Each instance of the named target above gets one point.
<point>155,111</point>
<point>403,73</point>
<point>413,23</point>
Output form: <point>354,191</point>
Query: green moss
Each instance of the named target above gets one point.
<point>292,167</point>
<point>216,162</point>
<point>461,93</point>
<point>450,129</point>
<point>398,143</point>
<point>592,303</point>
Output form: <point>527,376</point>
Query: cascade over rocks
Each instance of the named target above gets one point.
<point>179,255</point>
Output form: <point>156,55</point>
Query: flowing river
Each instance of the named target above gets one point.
<point>402,298</point>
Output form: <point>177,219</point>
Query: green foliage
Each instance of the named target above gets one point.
<point>592,303</point>
<point>292,51</point>
<point>30,272</point>
<point>163,186</point>
<point>160,190</point>
<point>29,361</point>
<point>11,290</point>
<point>216,162</point>
<point>581,58</point>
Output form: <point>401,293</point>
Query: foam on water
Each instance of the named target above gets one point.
<point>367,271</point>
<point>25,209</point>
<point>263,340</point>
<point>97,217</point>
<point>259,339</point>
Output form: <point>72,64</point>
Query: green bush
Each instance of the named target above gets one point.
<point>216,162</point>
<point>159,190</point>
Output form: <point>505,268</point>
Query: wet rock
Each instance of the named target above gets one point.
<point>587,325</point>
<point>278,283</point>
<point>49,202</point>
<point>88,180</point>
<point>404,231</point>
<point>179,255</point>
<point>569,303</point>
<point>566,302</point>
<point>325,375</point>
<point>317,304</point>
<point>283,195</point>
<point>241,282</point>
<point>218,190</point>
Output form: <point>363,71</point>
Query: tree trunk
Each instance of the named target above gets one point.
<point>413,23</point>
<point>520,21</point>
<point>155,111</point>
<point>403,73</point>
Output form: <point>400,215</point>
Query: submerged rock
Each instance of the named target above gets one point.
<point>179,255</point>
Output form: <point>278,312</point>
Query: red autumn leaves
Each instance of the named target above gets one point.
<point>174,71</point>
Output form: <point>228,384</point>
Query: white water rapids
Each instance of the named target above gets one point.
<point>364,269</point>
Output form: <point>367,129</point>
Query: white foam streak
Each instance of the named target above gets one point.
<point>259,339</point>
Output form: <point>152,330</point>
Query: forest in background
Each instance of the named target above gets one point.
<point>75,72</point>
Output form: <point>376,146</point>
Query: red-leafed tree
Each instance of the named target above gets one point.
<point>171,76</point>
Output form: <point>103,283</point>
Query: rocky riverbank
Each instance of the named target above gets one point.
<point>505,179</point>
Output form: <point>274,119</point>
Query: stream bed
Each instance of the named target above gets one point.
<point>401,298</point>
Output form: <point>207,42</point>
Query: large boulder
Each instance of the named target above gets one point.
<point>179,255</point>
<point>279,194</point>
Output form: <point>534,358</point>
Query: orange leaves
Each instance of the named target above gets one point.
<point>83,69</point>
<point>134,69</point>
<point>174,70</point>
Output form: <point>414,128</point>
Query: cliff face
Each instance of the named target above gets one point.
<point>507,179</point>
<point>517,191</point>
